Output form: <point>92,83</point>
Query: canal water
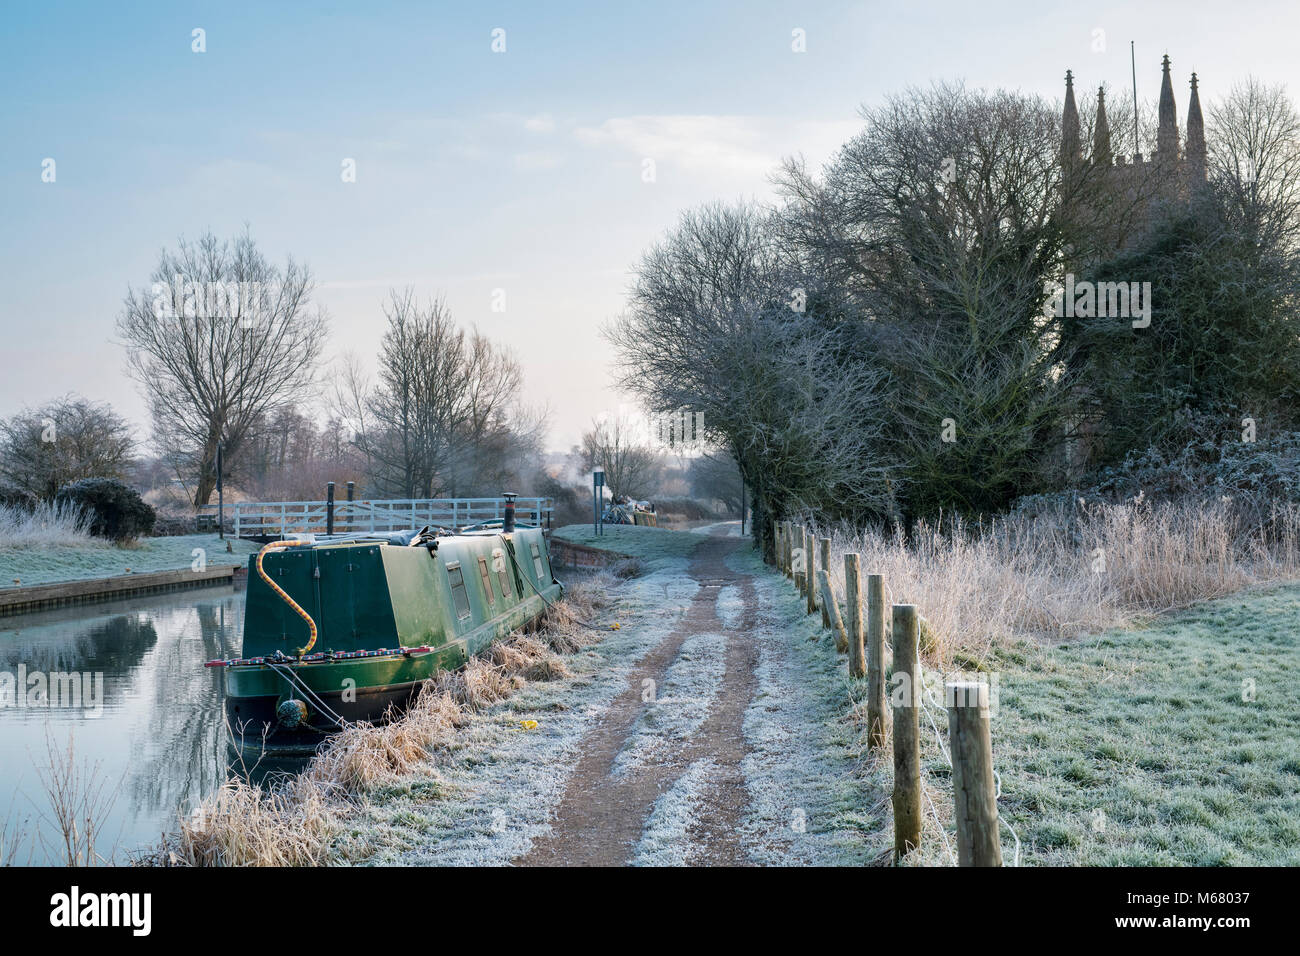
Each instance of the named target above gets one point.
<point>146,728</point>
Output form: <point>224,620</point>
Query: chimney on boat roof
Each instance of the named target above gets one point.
<point>508,523</point>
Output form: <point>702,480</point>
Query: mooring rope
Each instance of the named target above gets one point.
<point>296,681</point>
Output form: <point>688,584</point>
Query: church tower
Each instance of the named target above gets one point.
<point>1173,174</point>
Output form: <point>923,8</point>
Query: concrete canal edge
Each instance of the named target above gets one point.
<point>567,554</point>
<point>39,597</point>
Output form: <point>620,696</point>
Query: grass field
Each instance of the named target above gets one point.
<point>1174,744</point>
<point>73,562</point>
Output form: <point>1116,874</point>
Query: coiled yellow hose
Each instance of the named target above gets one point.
<point>274,545</point>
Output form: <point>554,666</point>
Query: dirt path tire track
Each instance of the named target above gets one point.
<point>601,817</point>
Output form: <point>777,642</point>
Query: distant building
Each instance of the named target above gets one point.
<point>1119,198</point>
<point>1171,176</point>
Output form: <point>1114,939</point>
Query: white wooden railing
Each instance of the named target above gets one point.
<point>257,519</point>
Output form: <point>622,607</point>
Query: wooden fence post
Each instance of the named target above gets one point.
<point>778,544</point>
<point>824,564</point>
<point>789,550</point>
<point>830,604</point>
<point>907,733</point>
<point>973,792</point>
<point>796,544</point>
<point>853,607</point>
<point>810,575</point>
<point>875,660</point>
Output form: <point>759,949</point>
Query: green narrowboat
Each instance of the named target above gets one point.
<point>341,628</point>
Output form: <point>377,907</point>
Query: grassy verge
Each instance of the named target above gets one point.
<point>651,545</point>
<point>1170,744</point>
<point>101,559</point>
<point>1174,744</point>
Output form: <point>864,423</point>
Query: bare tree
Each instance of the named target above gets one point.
<point>722,325</point>
<point>64,440</point>
<point>350,399</point>
<point>632,467</point>
<point>291,458</point>
<point>222,340</point>
<point>445,417</point>
<point>1254,159</point>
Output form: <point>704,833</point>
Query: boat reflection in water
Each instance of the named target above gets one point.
<point>155,741</point>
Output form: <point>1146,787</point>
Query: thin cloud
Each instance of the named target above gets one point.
<point>751,146</point>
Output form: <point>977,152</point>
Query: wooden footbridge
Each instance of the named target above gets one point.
<point>272,520</point>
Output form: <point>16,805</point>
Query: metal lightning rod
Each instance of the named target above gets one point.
<point>1133,61</point>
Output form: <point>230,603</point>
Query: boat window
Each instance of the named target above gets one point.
<point>503,576</point>
<point>458,596</point>
<point>487,581</point>
<point>537,563</point>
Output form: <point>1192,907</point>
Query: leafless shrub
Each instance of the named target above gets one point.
<point>78,801</point>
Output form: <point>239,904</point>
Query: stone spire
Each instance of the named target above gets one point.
<point>1101,132</point>
<point>1071,144</point>
<point>1195,128</point>
<point>1167,134</point>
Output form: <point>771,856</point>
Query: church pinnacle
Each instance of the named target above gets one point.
<point>1167,133</point>
<point>1195,126</point>
<point>1071,146</point>
<point>1101,132</point>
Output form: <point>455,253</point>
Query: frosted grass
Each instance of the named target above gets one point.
<point>681,703</point>
<point>666,839</point>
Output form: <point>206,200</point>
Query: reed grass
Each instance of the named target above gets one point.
<point>1059,575</point>
<point>47,525</point>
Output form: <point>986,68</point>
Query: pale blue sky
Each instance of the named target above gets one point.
<point>476,170</point>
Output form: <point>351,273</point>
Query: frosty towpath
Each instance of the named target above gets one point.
<point>706,727</point>
<point>604,812</point>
